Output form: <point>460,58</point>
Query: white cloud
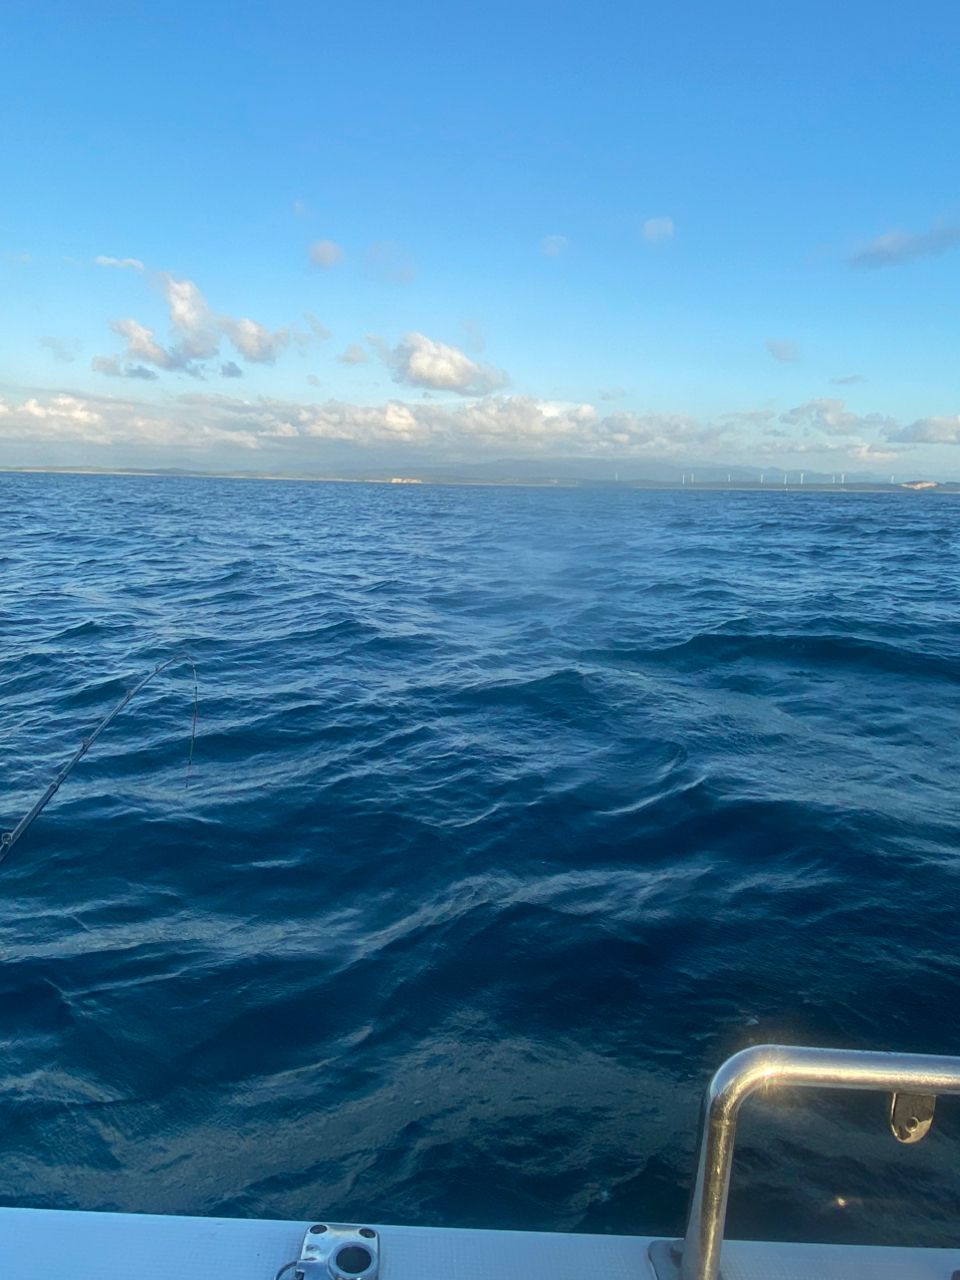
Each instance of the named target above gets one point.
<point>103,421</point>
<point>494,425</point>
<point>833,418</point>
<point>944,430</point>
<point>354,354</point>
<point>253,341</point>
<point>782,351</point>
<point>325,254</point>
<point>554,245</point>
<point>130,264</point>
<point>391,422</point>
<point>61,407</point>
<point>190,322</point>
<point>111,367</point>
<point>655,230</point>
<point>197,331</point>
<point>62,417</point>
<point>660,434</point>
<point>612,393</point>
<point>231,370</point>
<point>419,361</point>
<point>508,424</point>
<point>142,345</point>
<point>867,451</point>
<point>280,431</point>
<point>300,208</point>
<point>188,307</point>
<point>849,380</point>
<point>896,247</point>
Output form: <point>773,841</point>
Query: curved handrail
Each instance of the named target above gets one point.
<point>768,1066</point>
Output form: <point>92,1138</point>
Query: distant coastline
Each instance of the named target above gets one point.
<point>743,484</point>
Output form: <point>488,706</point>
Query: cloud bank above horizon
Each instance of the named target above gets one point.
<point>280,432</point>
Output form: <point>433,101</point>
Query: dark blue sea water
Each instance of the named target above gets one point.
<point>513,812</point>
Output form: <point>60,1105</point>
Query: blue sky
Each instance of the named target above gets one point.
<point>695,232</point>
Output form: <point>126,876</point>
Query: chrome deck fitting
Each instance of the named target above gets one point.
<point>913,1080</point>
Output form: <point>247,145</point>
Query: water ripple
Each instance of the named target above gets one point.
<point>513,811</point>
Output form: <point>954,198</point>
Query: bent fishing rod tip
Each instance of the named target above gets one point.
<point>9,838</point>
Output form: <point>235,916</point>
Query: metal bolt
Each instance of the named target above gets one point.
<point>318,1230</point>
<point>368,1233</point>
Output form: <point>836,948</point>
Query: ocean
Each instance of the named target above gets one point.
<point>513,811</point>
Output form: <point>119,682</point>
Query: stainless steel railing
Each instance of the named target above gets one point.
<point>914,1080</point>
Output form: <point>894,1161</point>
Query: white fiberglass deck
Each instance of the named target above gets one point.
<point>101,1246</point>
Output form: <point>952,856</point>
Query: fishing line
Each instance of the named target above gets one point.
<point>9,838</point>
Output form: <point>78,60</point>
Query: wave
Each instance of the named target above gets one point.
<point>512,812</point>
<point>823,650</point>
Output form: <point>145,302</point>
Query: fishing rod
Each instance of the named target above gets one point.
<point>9,838</point>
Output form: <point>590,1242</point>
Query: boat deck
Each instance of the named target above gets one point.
<point>101,1246</point>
